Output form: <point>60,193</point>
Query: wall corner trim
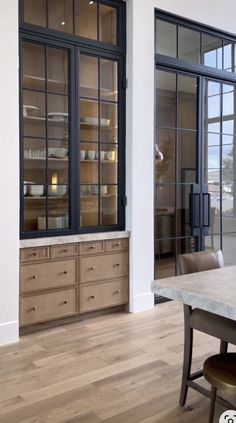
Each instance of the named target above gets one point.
<point>141,302</point>
<point>9,332</point>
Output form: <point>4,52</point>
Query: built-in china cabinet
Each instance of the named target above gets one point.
<point>72,75</point>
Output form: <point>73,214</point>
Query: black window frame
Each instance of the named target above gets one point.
<point>75,44</point>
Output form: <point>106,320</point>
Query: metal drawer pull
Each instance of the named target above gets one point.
<point>34,308</point>
<point>92,268</point>
<point>65,272</point>
<point>118,291</point>
<point>92,247</point>
<point>92,297</point>
<point>118,244</point>
<point>65,301</point>
<point>34,254</point>
<point>65,251</point>
<point>35,277</point>
<point>117,264</point>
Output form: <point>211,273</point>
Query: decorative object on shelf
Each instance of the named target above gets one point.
<point>82,154</point>
<point>94,121</point>
<point>159,154</point>
<point>28,110</point>
<point>57,190</point>
<point>35,190</point>
<point>103,155</point>
<point>111,155</point>
<point>57,152</point>
<point>104,190</point>
<point>91,154</point>
<point>58,116</point>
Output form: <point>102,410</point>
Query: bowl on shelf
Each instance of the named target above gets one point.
<point>58,116</point>
<point>57,190</point>
<point>95,121</point>
<point>35,190</point>
<point>29,110</point>
<point>57,152</point>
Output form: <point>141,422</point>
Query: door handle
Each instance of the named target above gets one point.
<point>194,207</point>
<point>206,199</point>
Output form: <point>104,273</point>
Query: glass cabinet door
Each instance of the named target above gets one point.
<point>45,138</point>
<point>98,141</point>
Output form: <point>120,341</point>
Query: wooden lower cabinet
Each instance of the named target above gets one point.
<point>47,306</point>
<point>64,280</point>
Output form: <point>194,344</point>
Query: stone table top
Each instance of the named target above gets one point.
<point>212,290</point>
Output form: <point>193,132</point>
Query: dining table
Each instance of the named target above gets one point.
<point>213,291</point>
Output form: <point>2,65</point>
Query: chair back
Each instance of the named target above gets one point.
<point>200,261</point>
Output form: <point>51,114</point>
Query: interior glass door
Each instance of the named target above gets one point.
<point>177,168</point>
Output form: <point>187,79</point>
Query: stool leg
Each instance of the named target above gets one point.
<point>212,404</point>
<point>223,347</point>
<point>188,350</point>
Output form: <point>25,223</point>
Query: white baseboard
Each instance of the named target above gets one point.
<point>9,333</point>
<point>141,302</point>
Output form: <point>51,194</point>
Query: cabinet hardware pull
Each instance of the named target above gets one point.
<point>65,251</point>
<point>65,302</point>
<point>92,296</point>
<point>117,264</point>
<point>118,291</point>
<point>92,268</point>
<point>118,244</point>
<point>92,247</point>
<point>34,308</point>
<point>34,254</point>
<point>65,272</point>
<point>35,277</point>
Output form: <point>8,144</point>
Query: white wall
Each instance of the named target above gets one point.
<point>140,124</point>
<point>9,172</point>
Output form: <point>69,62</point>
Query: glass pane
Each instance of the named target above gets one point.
<point>212,51</point>
<point>187,100</point>
<point>186,245</point>
<point>188,45</point>
<point>228,102</point>
<point>228,56</point>
<point>33,66</point>
<point>213,157</point>
<point>57,70</point>
<point>107,24</point>
<point>165,199</point>
<point>88,76</point>
<point>86,19</point>
<point>109,205</point>
<point>35,13</point>
<point>89,215</point>
<point>57,106</point>
<point>89,163</point>
<point>58,208</point>
<point>166,99</point>
<point>212,106</point>
<point>165,258</point>
<point>165,161</point>
<point>187,157</point>
<point>165,221</point>
<point>34,113</point>
<point>212,241</point>
<point>212,139</point>
<point>34,162</point>
<point>60,15</point>
<point>89,120</point>
<point>58,174</point>
<point>182,212</point>
<point>228,208</point>
<point>109,168</point>
<point>108,80</point>
<point>166,38</point>
<point>229,250</point>
<point>34,209</point>
<point>109,122</point>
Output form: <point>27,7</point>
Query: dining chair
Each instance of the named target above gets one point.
<point>203,321</point>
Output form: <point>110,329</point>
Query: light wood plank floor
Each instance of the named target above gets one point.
<point>120,368</point>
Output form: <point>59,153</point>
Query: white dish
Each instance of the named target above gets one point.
<point>95,121</point>
<point>57,152</point>
<point>58,116</point>
<point>27,109</point>
<point>57,190</point>
<point>36,190</point>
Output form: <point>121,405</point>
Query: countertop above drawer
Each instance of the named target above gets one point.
<point>41,242</point>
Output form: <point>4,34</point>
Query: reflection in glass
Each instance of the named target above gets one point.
<point>182,209</point>
<point>229,251</point>
<point>187,98</point>
<point>212,51</point>
<point>57,70</point>
<point>212,139</point>
<point>88,76</point>
<point>57,106</point>
<point>86,19</point>
<point>213,100</point>
<point>166,38</point>
<point>166,99</point>
<point>107,24</point>
<point>89,215</point>
<point>34,161</point>
<point>34,209</point>
<point>165,169</point>
<point>187,157</point>
<point>34,113</point>
<point>60,14</point>
<point>89,120</point>
<point>109,168</point>
<point>89,156</point>
<point>228,56</point>
<point>188,45</point>
<point>35,13</point>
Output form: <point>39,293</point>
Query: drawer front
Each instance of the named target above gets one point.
<point>65,250</point>
<point>107,266</point>
<point>34,254</point>
<point>107,294</point>
<point>34,277</point>
<point>43,307</point>
<point>91,247</point>
<point>117,244</point>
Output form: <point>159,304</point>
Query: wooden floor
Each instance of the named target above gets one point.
<point>120,368</point>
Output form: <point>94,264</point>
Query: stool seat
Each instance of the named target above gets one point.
<point>220,371</point>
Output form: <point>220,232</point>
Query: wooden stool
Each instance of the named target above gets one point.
<point>220,371</point>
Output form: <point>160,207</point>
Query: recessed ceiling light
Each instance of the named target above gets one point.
<point>63,23</point>
<point>91,2</point>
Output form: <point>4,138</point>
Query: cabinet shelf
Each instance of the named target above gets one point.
<point>53,197</point>
<point>42,159</point>
<point>86,197</point>
<point>101,161</point>
<point>37,120</point>
<point>37,81</point>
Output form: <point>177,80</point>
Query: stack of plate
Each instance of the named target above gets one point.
<point>54,222</point>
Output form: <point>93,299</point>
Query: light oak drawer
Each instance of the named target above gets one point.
<point>34,254</point>
<point>65,250</point>
<point>91,247</point>
<point>107,294</point>
<point>34,277</point>
<point>117,244</point>
<point>107,266</point>
<point>43,307</point>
